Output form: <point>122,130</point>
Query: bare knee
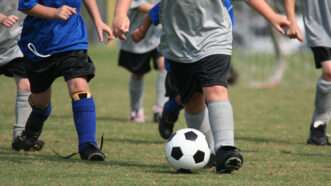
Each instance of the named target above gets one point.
<point>22,84</point>
<point>326,70</point>
<point>40,100</point>
<point>216,93</point>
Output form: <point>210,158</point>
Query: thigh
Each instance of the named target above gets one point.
<point>75,64</point>
<point>40,74</point>
<point>183,78</point>
<point>14,68</point>
<point>213,70</point>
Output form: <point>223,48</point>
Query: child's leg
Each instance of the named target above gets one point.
<point>23,108</point>
<point>322,112</point>
<point>196,115</point>
<point>136,92</point>
<point>41,109</point>
<point>220,115</point>
<point>85,119</point>
<point>160,98</point>
<point>83,108</point>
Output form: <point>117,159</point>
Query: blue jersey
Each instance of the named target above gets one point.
<point>44,37</point>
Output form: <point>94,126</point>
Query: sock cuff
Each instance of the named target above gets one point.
<point>324,86</point>
<point>216,103</point>
<point>84,105</point>
<point>45,112</point>
<point>23,93</point>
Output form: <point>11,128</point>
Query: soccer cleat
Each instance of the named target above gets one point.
<point>137,117</point>
<point>228,159</point>
<point>318,134</point>
<point>167,123</point>
<point>92,153</point>
<point>27,143</point>
<point>157,113</point>
<point>212,161</point>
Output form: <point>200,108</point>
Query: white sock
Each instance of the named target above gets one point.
<point>222,123</point>
<point>200,121</point>
<point>136,91</point>
<point>23,111</point>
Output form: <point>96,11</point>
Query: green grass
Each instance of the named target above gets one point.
<point>271,129</point>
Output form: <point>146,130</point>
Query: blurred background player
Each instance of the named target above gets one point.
<point>54,41</point>
<point>11,60</point>
<point>317,20</point>
<point>136,58</point>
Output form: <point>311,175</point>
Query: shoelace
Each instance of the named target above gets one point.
<point>76,153</point>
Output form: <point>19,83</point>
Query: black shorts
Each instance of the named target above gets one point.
<point>170,86</point>
<point>192,77</point>
<point>138,63</point>
<point>70,65</point>
<point>14,68</point>
<point>321,54</point>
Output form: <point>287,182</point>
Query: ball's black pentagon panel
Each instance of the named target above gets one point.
<point>191,136</point>
<point>199,156</point>
<point>176,153</point>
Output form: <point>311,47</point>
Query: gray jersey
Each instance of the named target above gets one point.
<point>9,49</point>
<point>194,29</point>
<point>317,18</point>
<point>152,38</point>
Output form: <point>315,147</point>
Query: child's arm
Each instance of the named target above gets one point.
<point>101,27</point>
<point>35,9</point>
<point>152,18</point>
<point>8,21</point>
<point>121,22</point>
<point>278,21</point>
<point>140,32</point>
<point>294,30</point>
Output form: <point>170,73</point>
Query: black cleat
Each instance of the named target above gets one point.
<point>228,159</point>
<point>27,143</point>
<point>318,135</point>
<point>167,123</point>
<point>212,161</point>
<point>156,117</point>
<point>92,153</point>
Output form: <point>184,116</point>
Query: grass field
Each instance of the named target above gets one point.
<point>271,130</point>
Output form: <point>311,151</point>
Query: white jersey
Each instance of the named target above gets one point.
<point>9,37</point>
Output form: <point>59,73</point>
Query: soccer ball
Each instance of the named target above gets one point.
<point>187,150</point>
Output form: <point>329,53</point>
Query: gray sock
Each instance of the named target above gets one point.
<point>200,121</point>
<point>160,89</point>
<point>221,122</point>
<point>23,111</point>
<point>136,88</point>
<point>322,111</point>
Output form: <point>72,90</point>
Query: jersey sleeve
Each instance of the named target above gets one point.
<point>154,14</point>
<point>26,4</point>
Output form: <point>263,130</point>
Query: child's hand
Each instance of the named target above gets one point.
<point>10,21</point>
<point>103,28</point>
<point>280,23</point>
<point>294,32</point>
<point>121,26</point>
<point>65,12</point>
<point>138,35</point>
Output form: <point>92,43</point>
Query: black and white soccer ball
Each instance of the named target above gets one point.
<point>187,149</point>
